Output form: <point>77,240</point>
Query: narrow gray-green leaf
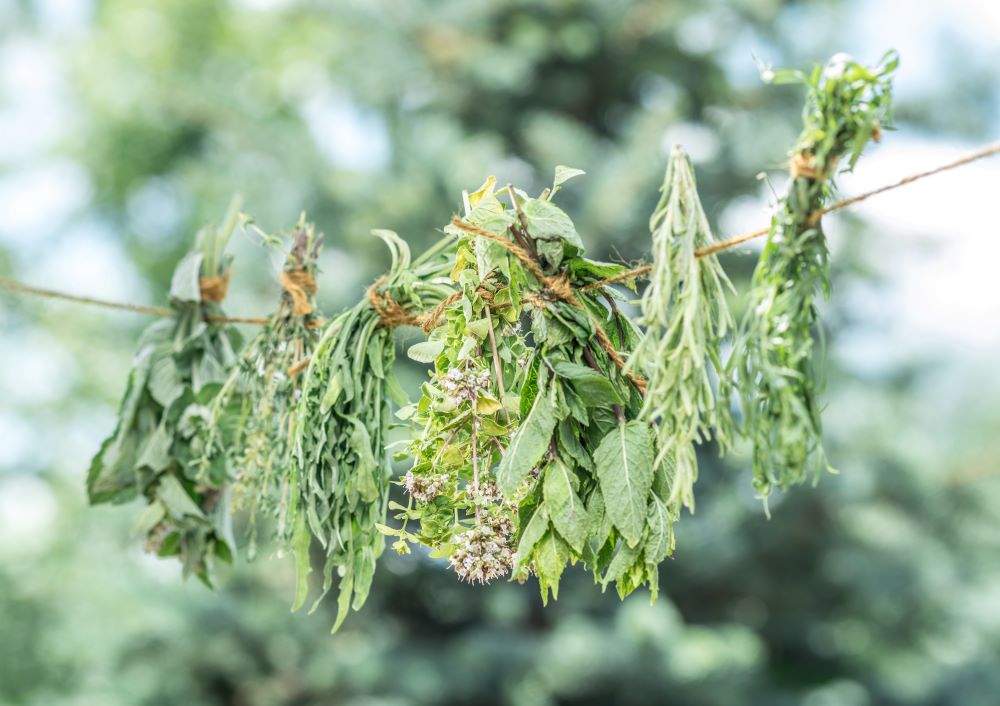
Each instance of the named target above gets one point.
<point>301,540</point>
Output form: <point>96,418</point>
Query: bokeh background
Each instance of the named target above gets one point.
<point>125,124</point>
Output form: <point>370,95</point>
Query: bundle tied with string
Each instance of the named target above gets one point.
<point>558,444</point>
<point>214,288</point>
<point>555,288</point>
<point>298,285</point>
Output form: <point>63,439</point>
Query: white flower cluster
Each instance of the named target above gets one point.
<point>424,488</point>
<point>484,552</point>
<point>465,385</point>
<point>486,491</point>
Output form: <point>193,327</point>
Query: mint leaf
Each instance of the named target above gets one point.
<point>624,461</point>
<point>527,447</point>
<point>569,516</point>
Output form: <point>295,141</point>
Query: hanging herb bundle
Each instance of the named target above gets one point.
<point>340,475</point>
<point>550,431</point>
<point>155,449</point>
<point>847,106</point>
<point>552,427</point>
<point>686,319</point>
<point>256,406</point>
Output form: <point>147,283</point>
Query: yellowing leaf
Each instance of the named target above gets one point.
<point>487,405</point>
<point>485,190</point>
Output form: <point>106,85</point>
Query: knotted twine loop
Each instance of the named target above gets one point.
<point>213,289</point>
<point>298,284</point>
<point>394,314</point>
<point>803,165</point>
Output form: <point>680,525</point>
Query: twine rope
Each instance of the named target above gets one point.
<point>385,300</point>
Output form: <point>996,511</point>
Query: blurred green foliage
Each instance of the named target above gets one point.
<point>879,586</point>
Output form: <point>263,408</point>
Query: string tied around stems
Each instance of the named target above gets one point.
<point>213,289</point>
<point>299,285</point>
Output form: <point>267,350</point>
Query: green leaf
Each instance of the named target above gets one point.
<point>165,383</point>
<point>624,461</point>
<point>301,539</point>
<point>487,405</point>
<point>546,221</point>
<point>660,541</point>
<point>595,389</point>
<point>527,446</point>
<point>565,508</point>
<point>364,471</point>
<point>184,283</point>
<point>623,560</point>
<point>564,174</point>
<point>346,588</point>
<point>155,453</point>
<point>550,561</point>
<point>176,500</point>
<point>425,351</point>
<point>536,528</point>
<point>333,389</point>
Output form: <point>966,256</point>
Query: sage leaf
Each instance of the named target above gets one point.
<point>301,539</point>
<point>425,351</point>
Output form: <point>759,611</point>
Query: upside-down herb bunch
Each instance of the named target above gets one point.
<point>252,416</point>
<point>847,105</point>
<point>341,468</point>
<point>686,320</point>
<point>155,450</point>
<point>530,457</point>
<point>554,427</point>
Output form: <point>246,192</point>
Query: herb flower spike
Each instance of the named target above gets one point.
<point>846,107</point>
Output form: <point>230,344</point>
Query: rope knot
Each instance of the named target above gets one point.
<point>391,312</point>
<point>213,289</point>
<point>299,285</point>
<point>803,164</point>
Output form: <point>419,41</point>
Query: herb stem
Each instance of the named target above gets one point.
<point>475,463</point>
<point>496,365</point>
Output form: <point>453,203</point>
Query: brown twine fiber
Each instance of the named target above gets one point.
<point>558,288</point>
<point>213,289</point>
<point>982,153</point>
<point>294,370</point>
<point>394,314</point>
<point>299,284</point>
<point>803,165</point>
